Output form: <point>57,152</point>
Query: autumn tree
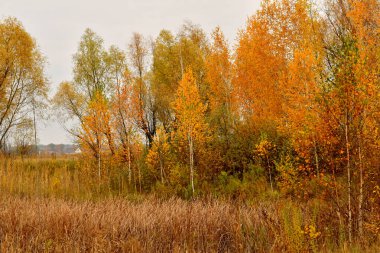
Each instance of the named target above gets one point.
<point>23,85</point>
<point>123,119</point>
<point>350,98</point>
<point>190,126</point>
<point>23,138</point>
<point>95,129</point>
<point>160,157</point>
<point>259,63</point>
<point>219,78</point>
<point>219,75</point>
<point>301,86</point>
<point>166,75</point>
<point>264,149</point>
<point>172,55</point>
<point>91,66</point>
<point>143,101</point>
<point>364,15</point>
<point>96,74</point>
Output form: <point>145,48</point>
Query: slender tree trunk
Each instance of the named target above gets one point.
<point>316,156</point>
<point>139,170</point>
<point>360,207</point>
<point>129,162</point>
<point>135,179</point>
<point>270,173</point>
<point>99,161</point>
<point>160,160</point>
<point>191,149</point>
<point>35,129</point>
<point>348,181</point>
<point>99,169</point>
<point>162,170</point>
<point>338,210</point>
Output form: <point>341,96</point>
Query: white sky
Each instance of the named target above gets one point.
<point>58,25</point>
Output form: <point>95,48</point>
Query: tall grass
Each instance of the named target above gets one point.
<point>150,225</point>
<point>59,205</point>
<point>67,178</point>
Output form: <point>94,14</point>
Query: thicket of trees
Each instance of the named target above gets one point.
<point>296,100</point>
<point>295,103</point>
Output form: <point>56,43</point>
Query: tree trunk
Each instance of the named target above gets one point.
<point>191,149</point>
<point>270,173</point>
<point>348,181</point>
<point>99,169</point>
<point>35,130</point>
<point>99,160</point>
<point>360,207</point>
<point>316,156</point>
<point>139,170</point>
<point>162,170</point>
<point>129,162</point>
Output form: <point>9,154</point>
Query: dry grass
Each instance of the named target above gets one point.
<point>56,206</point>
<point>149,225</point>
<point>60,178</point>
<point>39,225</point>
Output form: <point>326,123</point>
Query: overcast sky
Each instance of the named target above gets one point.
<point>58,25</point>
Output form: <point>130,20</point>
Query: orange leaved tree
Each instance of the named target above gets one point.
<point>219,75</point>
<point>96,129</point>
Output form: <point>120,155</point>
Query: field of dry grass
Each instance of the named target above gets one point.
<point>152,225</point>
<point>44,225</point>
<point>57,206</point>
<point>119,226</point>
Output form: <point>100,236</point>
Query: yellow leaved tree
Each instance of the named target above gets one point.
<point>190,126</point>
<point>159,156</point>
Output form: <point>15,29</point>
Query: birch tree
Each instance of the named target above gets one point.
<point>190,125</point>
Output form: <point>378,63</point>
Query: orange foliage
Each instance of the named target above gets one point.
<point>96,135</point>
